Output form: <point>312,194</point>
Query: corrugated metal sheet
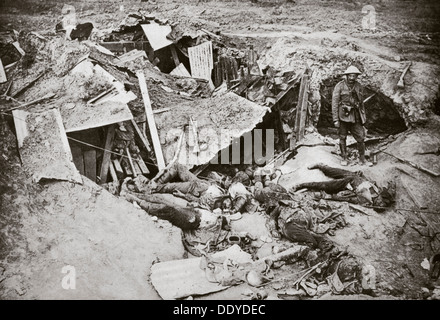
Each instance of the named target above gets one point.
<point>201,61</point>
<point>182,278</point>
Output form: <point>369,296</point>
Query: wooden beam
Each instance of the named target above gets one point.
<point>175,56</point>
<point>130,160</point>
<point>142,166</point>
<point>137,167</point>
<point>90,164</point>
<point>161,110</point>
<point>107,154</point>
<point>301,109</point>
<point>16,93</point>
<point>141,135</point>
<point>3,77</point>
<point>412,196</point>
<point>113,172</point>
<point>150,119</point>
<point>78,158</point>
<point>415,165</point>
<point>127,169</point>
<point>118,168</point>
<point>125,46</point>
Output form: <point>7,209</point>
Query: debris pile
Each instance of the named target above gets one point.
<point>147,110</point>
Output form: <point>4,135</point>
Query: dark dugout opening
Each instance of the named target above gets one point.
<point>383,118</point>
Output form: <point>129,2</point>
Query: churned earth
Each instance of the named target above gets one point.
<point>112,244</point>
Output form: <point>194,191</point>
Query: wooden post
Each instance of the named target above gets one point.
<point>118,168</point>
<point>301,109</point>
<point>113,173</point>
<point>90,164</point>
<point>78,159</point>
<point>130,160</point>
<point>142,166</point>
<point>106,157</point>
<point>175,56</point>
<point>150,119</point>
<point>141,135</point>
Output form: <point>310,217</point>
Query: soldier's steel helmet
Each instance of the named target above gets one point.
<point>352,69</point>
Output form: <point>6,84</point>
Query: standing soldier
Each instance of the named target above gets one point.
<point>349,113</point>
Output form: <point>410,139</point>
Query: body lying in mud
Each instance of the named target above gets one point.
<point>219,198</point>
<point>352,187</point>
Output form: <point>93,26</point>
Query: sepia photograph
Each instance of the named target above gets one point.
<point>227,152</point>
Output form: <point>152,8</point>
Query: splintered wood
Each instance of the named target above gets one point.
<point>301,109</point>
<point>3,77</point>
<point>150,119</point>
<point>43,146</point>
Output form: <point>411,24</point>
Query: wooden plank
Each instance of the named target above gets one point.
<point>161,110</point>
<point>301,109</point>
<point>150,119</point>
<point>415,165</point>
<point>24,87</point>
<point>412,196</point>
<point>125,46</point>
<point>126,166</point>
<point>90,164</point>
<point>130,161</point>
<point>107,154</point>
<point>113,173</point>
<point>137,167</point>
<point>141,135</point>
<point>118,168</point>
<point>78,158</point>
<point>142,166</point>
<point>175,56</point>
<point>20,126</point>
<point>3,77</point>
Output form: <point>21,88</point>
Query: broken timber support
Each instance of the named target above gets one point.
<point>150,119</point>
<point>301,108</point>
<point>3,77</point>
<point>113,172</point>
<point>118,168</point>
<point>27,85</point>
<point>107,154</point>
<point>412,196</point>
<point>174,54</point>
<point>130,160</point>
<point>141,135</point>
<point>90,164</point>
<point>125,46</point>
<point>435,174</point>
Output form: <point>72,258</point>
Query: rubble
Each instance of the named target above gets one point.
<point>153,112</point>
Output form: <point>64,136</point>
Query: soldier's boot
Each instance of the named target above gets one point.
<point>343,147</point>
<point>362,160</point>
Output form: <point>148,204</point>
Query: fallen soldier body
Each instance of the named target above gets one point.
<point>351,186</point>
<point>231,195</point>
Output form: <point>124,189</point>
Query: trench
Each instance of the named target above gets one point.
<point>383,117</point>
